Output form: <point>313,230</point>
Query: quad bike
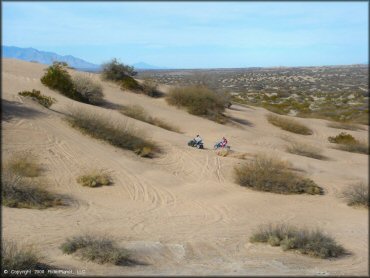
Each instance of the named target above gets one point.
<point>219,145</point>
<point>198,145</point>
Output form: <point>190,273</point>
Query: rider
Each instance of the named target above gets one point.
<point>223,142</point>
<point>198,139</point>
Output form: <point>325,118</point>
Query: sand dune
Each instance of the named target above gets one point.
<point>181,213</point>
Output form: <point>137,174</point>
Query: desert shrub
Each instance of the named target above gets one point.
<point>273,175</point>
<point>41,99</point>
<point>306,150</point>
<point>91,91</point>
<point>119,135</point>
<point>289,125</point>
<point>310,242</point>
<point>57,78</point>
<point>346,126</point>
<point>137,112</point>
<point>357,194</point>
<point>342,138</point>
<point>346,142</point>
<point>198,101</point>
<point>24,164</point>
<point>98,249</point>
<point>19,192</point>
<point>150,88</point>
<point>129,83</point>
<point>116,71</point>
<point>95,178</point>
<point>18,257</point>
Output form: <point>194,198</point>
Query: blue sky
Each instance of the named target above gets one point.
<point>194,34</point>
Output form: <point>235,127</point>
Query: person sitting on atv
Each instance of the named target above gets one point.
<point>198,139</point>
<point>223,142</point>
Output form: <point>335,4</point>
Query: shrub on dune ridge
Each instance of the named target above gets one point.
<point>98,249</point>
<point>306,150</point>
<point>119,135</point>
<point>289,124</point>
<point>200,101</point>
<point>137,112</point>
<point>310,242</point>
<point>129,83</point>
<point>273,175</point>
<point>346,142</point>
<point>347,126</point>
<point>88,89</point>
<point>116,71</point>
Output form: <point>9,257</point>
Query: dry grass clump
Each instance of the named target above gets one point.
<point>346,126</point>
<point>137,112</point>
<point>309,242</point>
<point>150,88</point>
<point>289,125</point>
<point>306,150</point>
<point>95,178</point>
<point>41,99</point>
<point>15,257</point>
<point>24,164</point>
<point>98,249</point>
<point>116,134</point>
<point>346,142</point>
<point>129,83</point>
<point>357,194</point>
<point>89,89</point>
<point>273,175</point>
<point>20,192</point>
<point>199,100</point>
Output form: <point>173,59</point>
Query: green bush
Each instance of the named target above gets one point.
<point>150,88</point>
<point>91,91</point>
<point>137,112</point>
<point>119,135</point>
<point>342,138</point>
<point>129,83</point>
<point>357,194</point>
<point>57,78</point>
<point>101,250</point>
<point>116,71</point>
<point>310,242</point>
<point>273,175</point>
<point>95,178</point>
<point>41,99</point>
<point>198,100</point>
<point>289,125</point>
<point>18,192</point>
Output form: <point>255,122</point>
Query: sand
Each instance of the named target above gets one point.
<point>181,213</point>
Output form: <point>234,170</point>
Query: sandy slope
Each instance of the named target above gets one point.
<point>180,213</point>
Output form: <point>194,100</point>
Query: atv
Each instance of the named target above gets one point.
<point>198,145</point>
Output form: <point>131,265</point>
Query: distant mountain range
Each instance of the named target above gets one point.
<point>33,55</point>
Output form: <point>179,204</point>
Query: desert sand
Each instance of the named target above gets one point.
<point>180,213</point>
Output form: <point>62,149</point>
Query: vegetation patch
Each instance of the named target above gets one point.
<point>309,242</point>
<point>20,192</point>
<point>116,71</point>
<point>346,142</point>
<point>24,164</point>
<point>16,257</point>
<point>357,194</point>
<point>199,100</point>
<point>119,135</point>
<point>57,78</point>
<point>273,175</point>
<point>41,99</point>
<point>91,91</point>
<point>97,249</point>
<point>95,178</point>
<point>306,150</point>
<point>129,83</point>
<point>137,112</point>
<point>150,88</point>
<point>289,125</point>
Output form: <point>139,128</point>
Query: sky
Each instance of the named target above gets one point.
<point>194,34</point>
